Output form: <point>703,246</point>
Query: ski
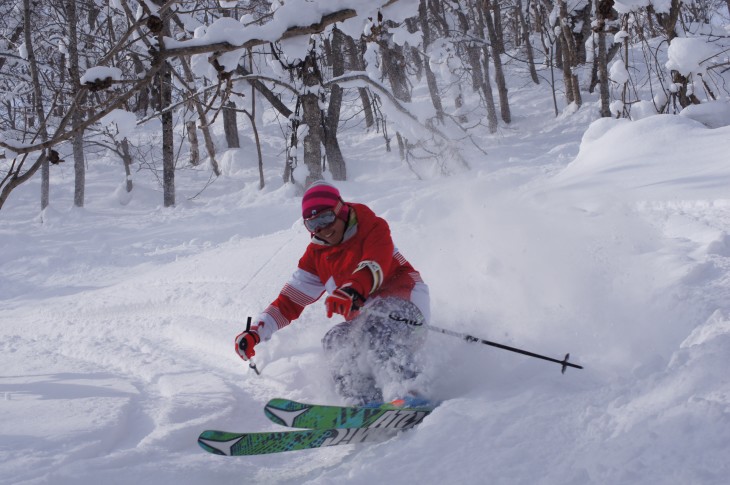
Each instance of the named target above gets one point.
<point>242,444</point>
<point>316,416</point>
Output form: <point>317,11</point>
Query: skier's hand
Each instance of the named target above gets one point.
<point>245,343</point>
<point>344,301</point>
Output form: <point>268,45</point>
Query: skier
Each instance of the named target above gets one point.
<point>384,302</point>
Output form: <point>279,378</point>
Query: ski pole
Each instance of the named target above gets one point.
<point>251,363</point>
<point>470,338</point>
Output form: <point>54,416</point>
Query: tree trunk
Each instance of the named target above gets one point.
<point>142,99</point>
<point>683,97</point>
<point>335,158</point>
<point>497,47</point>
<point>459,105</point>
<point>415,55</point>
<point>230,121</point>
<point>585,32</point>
<point>127,159</point>
<point>367,106</point>
<point>473,53</point>
<point>37,104</point>
<point>497,19</point>
<point>79,163</point>
<point>528,44</point>
<point>356,62</point>
<point>76,117</point>
<point>670,20</point>
<point>602,64</point>
<point>204,127</point>
<point>194,145</point>
<point>164,89</point>
<point>401,145</point>
<point>312,117</point>
<point>168,156</point>
<point>570,57</point>
<point>565,66</point>
<point>14,178</point>
<point>492,120</point>
<point>603,8</point>
<point>252,118</point>
<point>15,36</point>
<point>230,125</point>
<point>258,143</point>
<point>433,89</point>
<point>394,67</point>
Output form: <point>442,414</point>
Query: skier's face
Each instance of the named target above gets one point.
<point>333,233</point>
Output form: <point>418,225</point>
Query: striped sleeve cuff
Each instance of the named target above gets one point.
<point>270,320</point>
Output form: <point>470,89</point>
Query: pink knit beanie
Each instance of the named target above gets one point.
<point>321,196</point>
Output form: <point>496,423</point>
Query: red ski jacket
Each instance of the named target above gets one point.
<point>366,259</point>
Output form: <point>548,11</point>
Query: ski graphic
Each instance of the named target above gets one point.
<point>316,416</point>
<point>243,444</point>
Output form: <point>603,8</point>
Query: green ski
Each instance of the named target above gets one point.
<point>316,416</point>
<point>240,444</point>
<point>325,426</point>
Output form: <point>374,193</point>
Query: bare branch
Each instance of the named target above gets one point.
<point>341,80</point>
<point>188,48</point>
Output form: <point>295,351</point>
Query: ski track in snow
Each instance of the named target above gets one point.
<point>118,323</point>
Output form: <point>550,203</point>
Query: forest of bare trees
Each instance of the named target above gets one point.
<point>67,67</point>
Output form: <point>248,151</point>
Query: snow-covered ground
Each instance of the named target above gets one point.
<point>611,243</point>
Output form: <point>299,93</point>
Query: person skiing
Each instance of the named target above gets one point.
<point>383,300</point>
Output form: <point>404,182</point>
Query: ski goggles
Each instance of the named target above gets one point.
<point>320,221</point>
<point>323,219</point>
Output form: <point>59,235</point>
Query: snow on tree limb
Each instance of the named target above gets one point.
<point>270,32</point>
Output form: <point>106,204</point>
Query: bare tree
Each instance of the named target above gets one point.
<point>230,121</point>
<point>160,27</point>
<point>335,159</point>
<point>56,114</point>
<point>433,89</point>
<point>569,55</point>
<point>497,47</point>
<point>189,83</point>
<point>156,68</point>
<point>526,41</point>
<point>312,117</point>
<point>37,102</point>
<point>603,12</point>
<point>356,63</point>
<point>72,20</point>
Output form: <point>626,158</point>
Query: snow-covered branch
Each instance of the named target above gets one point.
<point>362,79</point>
<point>249,37</point>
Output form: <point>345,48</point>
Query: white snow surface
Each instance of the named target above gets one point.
<point>611,243</point>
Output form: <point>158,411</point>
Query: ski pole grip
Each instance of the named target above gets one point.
<point>251,363</point>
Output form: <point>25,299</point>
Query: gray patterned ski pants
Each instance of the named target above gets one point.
<point>374,355</point>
